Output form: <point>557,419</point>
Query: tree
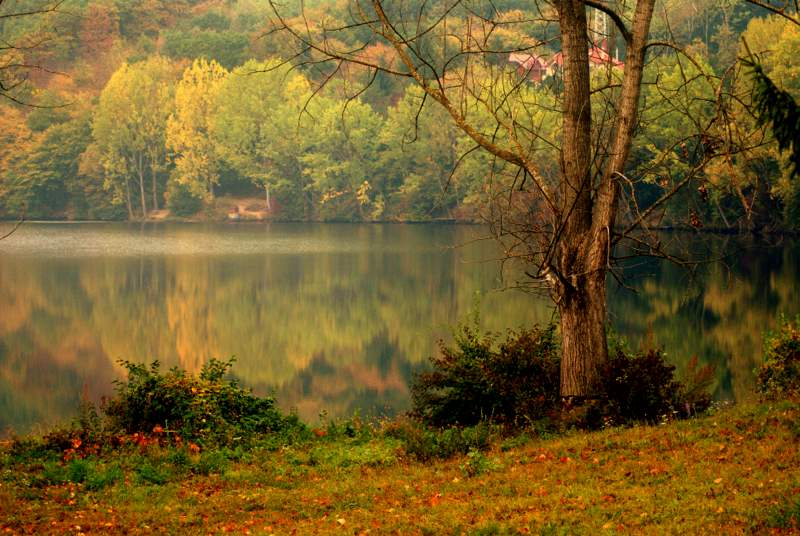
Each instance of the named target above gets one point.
<point>562,223</point>
<point>129,128</point>
<point>255,129</point>
<point>341,160</point>
<point>16,47</point>
<point>188,127</point>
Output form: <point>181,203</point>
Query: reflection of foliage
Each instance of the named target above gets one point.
<point>312,326</point>
<point>719,317</point>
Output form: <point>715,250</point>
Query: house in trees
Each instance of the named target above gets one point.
<point>537,68</point>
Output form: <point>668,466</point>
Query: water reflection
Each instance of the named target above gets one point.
<point>337,325</point>
<point>332,317</point>
<point>718,313</point>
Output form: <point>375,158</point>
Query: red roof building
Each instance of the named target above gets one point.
<point>537,68</point>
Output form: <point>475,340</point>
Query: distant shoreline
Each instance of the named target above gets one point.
<point>448,221</point>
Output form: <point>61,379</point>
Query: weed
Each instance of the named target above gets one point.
<point>785,517</point>
<point>378,452</point>
<point>474,381</point>
<point>476,463</point>
<point>98,480</point>
<point>79,470</point>
<point>208,409</point>
<point>424,443</point>
<point>779,375</point>
<point>213,462</point>
<point>148,474</point>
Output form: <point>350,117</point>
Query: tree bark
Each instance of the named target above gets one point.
<point>266,195</point>
<point>590,210</point>
<point>141,187</point>
<point>155,187</point>
<point>582,310</point>
<point>128,197</point>
<point>580,285</point>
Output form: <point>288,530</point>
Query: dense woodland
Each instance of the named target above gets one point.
<point>121,109</point>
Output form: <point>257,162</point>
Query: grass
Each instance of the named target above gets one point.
<point>735,472</point>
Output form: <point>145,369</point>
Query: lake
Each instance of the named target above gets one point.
<point>330,318</point>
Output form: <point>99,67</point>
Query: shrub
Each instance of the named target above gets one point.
<point>516,383</point>
<point>639,387</point>
<point>474,381</point>
<point>206,409</point>
<point>425,443</point>
<point>181,201</point>
<point>779,375</point>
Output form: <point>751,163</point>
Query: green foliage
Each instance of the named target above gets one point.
<point>477,463</point>
<point>643,387</point>
<point>516,383</point>
<point>103,478</point>
<point>779,375</point>
<point>786,516</point>
<point>425,443</point>
<point>227,47</point>
<point>257,128</point>
<point>512,384</point>
<point>147,473</point>
<point>207,409</point>
<point>181,201</point>
<point>349,453</point>
<point>777,109</point>
<point>210,462</point>
<point>49,113</point>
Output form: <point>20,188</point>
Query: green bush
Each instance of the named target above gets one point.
<point>208,409</point>
<point>474,381</point>
<point>425,443</point>
<point>642,387</point>
<point>516,384</point>
<point>181,201</point>
<point>779,375</point>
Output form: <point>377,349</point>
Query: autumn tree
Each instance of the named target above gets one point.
<point>129,129</point>
<point>188,127</point>
<point>17,47</point>
<point>255,128</point>
<point>341,160</point>
<point>563,221</point>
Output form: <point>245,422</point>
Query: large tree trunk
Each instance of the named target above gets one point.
<point>589,209</point>
<point>583,337</point>
<point>580,288</point>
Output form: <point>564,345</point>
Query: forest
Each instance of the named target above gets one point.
<point>192,109</point>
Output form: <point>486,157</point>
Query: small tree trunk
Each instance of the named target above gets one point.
<point>266,195</point>
<point>211,188</point>
<point>155,188</point>
<point>141,187</point>
<point>128,197</point>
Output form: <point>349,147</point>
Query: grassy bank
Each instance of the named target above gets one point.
<point>733,472</point>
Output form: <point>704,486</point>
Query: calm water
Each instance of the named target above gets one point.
<point>330,317</point>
